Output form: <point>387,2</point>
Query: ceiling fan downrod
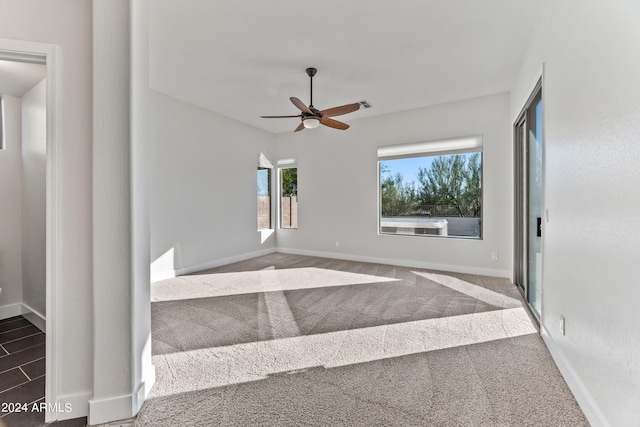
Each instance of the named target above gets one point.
<point>311,72</point>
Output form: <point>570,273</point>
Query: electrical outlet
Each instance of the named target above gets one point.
<point>337,244</point>
<point>562,324</point>
<point>494,256</point>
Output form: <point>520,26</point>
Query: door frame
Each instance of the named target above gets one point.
<point>521,198</point>
<point>26,51</point>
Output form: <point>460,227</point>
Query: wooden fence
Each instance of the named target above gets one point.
<point>288,211</point>
<point>264,212</point>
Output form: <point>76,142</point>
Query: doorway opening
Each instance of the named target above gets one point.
<point>528,139</point>
<point>29,87</point>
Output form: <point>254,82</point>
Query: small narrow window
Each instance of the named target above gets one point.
<point>264,192</point>
<point>432,188</point>
<point>264,198</point>
<point>288,188</point>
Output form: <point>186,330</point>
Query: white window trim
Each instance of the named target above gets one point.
<point>458,145</point>
<point>286,163</point>
<point>266,163</point>
<point>431,148</point>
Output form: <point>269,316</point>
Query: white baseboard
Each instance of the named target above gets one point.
<point>224,261</point>
<point>72,406</point>
<point>157,276</point>
<point>210,264</point>
<point>34,317</point>
<point>102,411</point>
<point>107,410</point>
<point>23,309</point>
<point>144,388</point>
<point>582,395</point>
<point>401,262</point>
<point>10,310</point>
<point>170,274</point>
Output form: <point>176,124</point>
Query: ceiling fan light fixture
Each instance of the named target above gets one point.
<point>311,122</point>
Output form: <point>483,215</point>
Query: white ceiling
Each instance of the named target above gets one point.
<point>16,78</point>
<point>243,59</point>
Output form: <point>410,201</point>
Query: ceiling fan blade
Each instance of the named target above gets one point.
<point>300,127</point>
<point>279,117</point>
<point>300,105</point>
<point>334,123</point>
<point>338,111</point>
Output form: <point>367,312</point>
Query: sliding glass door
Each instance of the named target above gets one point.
<point>528,196</point>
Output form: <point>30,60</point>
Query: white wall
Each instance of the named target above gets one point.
<point>123,372</point>
<point>203,187</point>
<point>592,242</point>
<point>10,233</point>
<point>142,366</point>
<point>337,184</point>
<point>34,162</point>
<point>112,261</point>
<point>67,23</point>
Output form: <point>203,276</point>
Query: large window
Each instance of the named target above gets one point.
<point>432,188</point>
<point>264,198</point>
<point>288,193</point>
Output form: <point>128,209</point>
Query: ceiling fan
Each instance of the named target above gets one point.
<point>311,117</point>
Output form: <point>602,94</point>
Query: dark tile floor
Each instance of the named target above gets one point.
<point>22,374</point>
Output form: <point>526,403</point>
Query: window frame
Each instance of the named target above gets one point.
<point>283,164</point>
<point>432,149</point>
<point>269,192</point>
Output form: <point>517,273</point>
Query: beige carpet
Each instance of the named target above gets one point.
<point>286,340</point>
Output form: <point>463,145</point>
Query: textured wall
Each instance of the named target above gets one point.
<point>591,243</point>
<point>203,185</point>
<point>338,178</point>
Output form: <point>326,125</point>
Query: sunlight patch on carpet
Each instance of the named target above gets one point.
<point>241,363</point>
<point>478,292</point>
<point>248,282</point>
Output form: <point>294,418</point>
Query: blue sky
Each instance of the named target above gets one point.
<point>407,167</point>
<point>263,182</point>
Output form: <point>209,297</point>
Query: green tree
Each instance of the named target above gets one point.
<point>473,186</point>
<point>289,182</point>
<point>452,180</point>
<point>398,198</point>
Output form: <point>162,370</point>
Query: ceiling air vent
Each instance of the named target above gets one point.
<point>365,104</point>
